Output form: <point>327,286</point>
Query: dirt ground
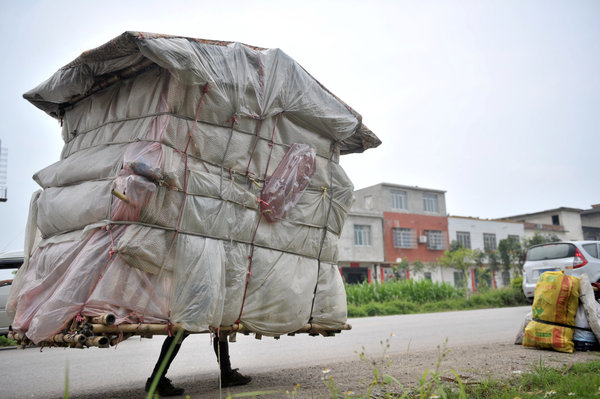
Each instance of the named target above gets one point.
<point>471,363</point>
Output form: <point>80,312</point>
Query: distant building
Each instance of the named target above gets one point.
<point>484,235</point>
<point>590,223</point>
<point>411,221</point>
<point>360,247</point>
<point>389,223</point>
<point>564,222</point>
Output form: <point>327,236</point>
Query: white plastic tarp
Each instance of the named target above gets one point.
<point>154,212</point>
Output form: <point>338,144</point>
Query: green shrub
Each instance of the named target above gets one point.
<point>406,297</point>
<point>4,341</point>
<point>416,291</point>
<point>517,283</point>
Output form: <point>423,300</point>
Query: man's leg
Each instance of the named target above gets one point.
<point>164,386</point>
<point>229,377</point>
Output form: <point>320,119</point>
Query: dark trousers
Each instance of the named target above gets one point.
<point>221,349</point>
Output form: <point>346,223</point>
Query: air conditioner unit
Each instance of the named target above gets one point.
<point>422,239</point>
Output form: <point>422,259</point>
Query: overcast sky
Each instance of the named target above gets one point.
<point>495,102</point>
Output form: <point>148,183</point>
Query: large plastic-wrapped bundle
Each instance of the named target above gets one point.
<point>158,210</point>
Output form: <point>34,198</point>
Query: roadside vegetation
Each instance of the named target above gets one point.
<point>425,296</point>
<point>405,296</point>
<point>580,380</point>
<point>5,341</point>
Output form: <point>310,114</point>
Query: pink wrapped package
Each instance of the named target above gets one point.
<point>289,180</point>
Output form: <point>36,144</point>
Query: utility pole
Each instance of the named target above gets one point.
<point>3,166</point>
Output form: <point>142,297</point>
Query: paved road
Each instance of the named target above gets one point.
<point>30,373</point>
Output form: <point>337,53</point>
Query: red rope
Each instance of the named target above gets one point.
<point>111,254</point>
<point>205,90</point>
<point>250,257</point>
<point>259,124</point>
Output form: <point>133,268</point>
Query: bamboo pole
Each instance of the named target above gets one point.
<point>69,338</point>
<point>102,331</point>
<point>100,341</point>
<point>119,195</point>
<point>137,329</point>
<point>107,319</point>
<point>161,329</point>
<point>310,328</point>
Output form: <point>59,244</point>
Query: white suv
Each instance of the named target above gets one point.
<point>9,264</point>
<point>574,257</point>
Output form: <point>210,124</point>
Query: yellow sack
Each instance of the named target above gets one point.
<point>555,300</point>
<point>549,337</point>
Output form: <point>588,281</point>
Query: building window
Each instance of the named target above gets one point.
<point>464,238</point>
<point>459,280</point>
<point>427,276</point>
<point>398,199</point>
<point>514,237</point>
<point>434,239</point>
<point>362,235</point>
<point>430,203</point>
<point>489,241</point>
<point>403,238</point>
<point>555,220</point>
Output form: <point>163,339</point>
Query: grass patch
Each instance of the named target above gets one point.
<point>424,296</point>
<point>581,380</point>
<point>4,341</point>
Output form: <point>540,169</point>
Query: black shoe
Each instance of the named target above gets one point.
<point>234,378</point>
<point>164,387</point>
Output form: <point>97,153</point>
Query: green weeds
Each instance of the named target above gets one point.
<point>423,296</point>
<point>4,341</point>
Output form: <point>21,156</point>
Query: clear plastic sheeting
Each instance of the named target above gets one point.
<point>284,188</point>
<point>154,211</point>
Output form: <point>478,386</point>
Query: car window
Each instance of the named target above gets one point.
<point>591,249</point>
<point>551,251</point>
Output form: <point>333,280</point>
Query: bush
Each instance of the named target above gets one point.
<point>420,291</point>
<point>517,283</point>
<point>406,297</point>
<point>4,341</point>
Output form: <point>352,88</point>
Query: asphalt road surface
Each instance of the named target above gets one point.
<point>122,371</point>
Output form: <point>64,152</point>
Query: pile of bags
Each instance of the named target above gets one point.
<point>199,184</point>
<point>565,314</point>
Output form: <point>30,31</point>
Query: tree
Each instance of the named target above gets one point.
<point>460,258</point>
<point>454,245</point>
<point>399,269</point>
<point>417,266</point>
<point>536,239</point>
<point>511,253</point>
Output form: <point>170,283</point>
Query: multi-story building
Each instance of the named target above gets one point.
<point>590,223</point>
<point>389,223</point>
<point>563,222</point>
<point>360,247</point>
<point>411,221</point>
<point>484,235</point>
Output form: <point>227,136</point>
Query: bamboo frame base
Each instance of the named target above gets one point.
<point>102,333</point>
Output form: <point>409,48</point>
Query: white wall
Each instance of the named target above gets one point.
<point>348,252</point>
<point>571,221</point>
<point>477,227</point>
